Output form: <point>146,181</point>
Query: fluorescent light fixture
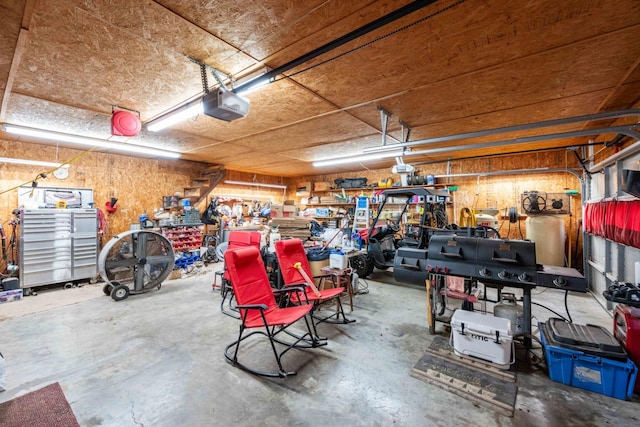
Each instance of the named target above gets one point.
<point>32,162</point>
<point>253,81</point>
<point>102,144</point>
<point>358,159</point>
<point>250,87</point>
<point>256,184</point>
<point>180,114</point>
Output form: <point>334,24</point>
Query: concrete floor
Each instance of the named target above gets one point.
<point>157,360</point>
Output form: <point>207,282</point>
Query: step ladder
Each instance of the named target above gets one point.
<point>361,214</point>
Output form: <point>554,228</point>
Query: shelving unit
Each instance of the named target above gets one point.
<point>183,237</point>
<point>367,190</point>
<point>356,193</point>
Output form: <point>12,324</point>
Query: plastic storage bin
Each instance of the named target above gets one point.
<point>576,356</point>
<point>337,259</point>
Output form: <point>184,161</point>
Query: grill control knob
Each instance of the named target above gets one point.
<point>524,277</point>
<point>485,272</point>
<point>504,274</point>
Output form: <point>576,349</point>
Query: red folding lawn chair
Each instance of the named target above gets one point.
<point>237,239</point>
<point>296,271</point>
<point>259,311</point>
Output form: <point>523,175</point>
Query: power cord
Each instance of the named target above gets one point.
<point>363,286</point>
<point>554,312</point>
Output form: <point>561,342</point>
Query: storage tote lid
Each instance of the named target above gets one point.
<point>590,339</point>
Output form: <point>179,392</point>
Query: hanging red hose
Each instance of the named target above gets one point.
<point>103,225</point>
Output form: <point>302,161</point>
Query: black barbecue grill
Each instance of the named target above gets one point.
<point>492,261</point>
<point>496,263</point>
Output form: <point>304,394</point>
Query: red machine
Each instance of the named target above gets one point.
<point>626,329</point>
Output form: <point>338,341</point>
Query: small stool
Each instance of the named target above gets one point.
<point>343,278</point>
<point>215,285</point>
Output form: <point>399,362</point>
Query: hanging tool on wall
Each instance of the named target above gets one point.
<point>111,205</point>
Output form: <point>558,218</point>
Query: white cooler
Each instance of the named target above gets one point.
<point>482,336</point>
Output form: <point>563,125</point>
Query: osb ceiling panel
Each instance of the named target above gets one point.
<point>480,38</point>
<point>11,13</point>
<point>447,68</point>
<point>263,29</point>
<point>499,89</point>
<point>318,131</point>
<point>336,149</point>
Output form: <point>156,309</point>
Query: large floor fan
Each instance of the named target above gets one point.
<point>134,262</point>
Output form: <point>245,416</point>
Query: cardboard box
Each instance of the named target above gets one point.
<point>303,189</point>
<point>276,211</point>
<point>175,274</point>
<point>8,296</point>
<point>290,208</point>
<point>321,186</point>
<point>482,336</point>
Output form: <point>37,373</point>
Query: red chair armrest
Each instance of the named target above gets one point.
<point>261,307</point>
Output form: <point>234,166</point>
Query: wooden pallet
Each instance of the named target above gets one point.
<point>479,382</point>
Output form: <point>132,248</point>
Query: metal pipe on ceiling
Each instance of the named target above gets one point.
<point>625,130</point>
<point>367,28</point>
<point>528,126</point>
<point>572,171</point>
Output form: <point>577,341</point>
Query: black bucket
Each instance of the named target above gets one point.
<point>10,284</point>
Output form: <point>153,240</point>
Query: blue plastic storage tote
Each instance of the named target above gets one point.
<point>614,378</point>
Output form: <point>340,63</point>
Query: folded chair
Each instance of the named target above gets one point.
<point>296,271</point>
<point>237,239</point>
<point>256,302</point>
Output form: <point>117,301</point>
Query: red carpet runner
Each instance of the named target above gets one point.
<point>46,407</point>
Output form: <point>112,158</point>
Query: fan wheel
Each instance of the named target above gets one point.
<point>120,292</point>
<point>108,288</point>
<point>135,259</point>
<point>534,204</point>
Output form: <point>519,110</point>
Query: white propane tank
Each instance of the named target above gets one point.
<point>508,308</point>
<point>548,233</point>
